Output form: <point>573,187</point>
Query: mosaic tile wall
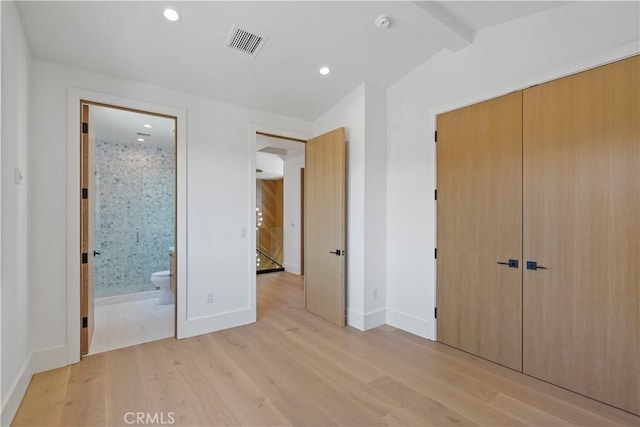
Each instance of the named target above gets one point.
<point>135,187</point>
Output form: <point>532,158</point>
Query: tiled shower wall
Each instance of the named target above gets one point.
<point>135,211</point>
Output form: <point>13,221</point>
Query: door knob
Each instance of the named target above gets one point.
<point>533,265</point>
<point>337,252</point>
<point>96,253</point>
<point>512,263</point>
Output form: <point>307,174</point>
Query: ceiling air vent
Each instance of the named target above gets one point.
<point>244,41</point>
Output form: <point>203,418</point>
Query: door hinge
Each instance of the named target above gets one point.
<point>435,253</point>
<point>85,258</point>
<point>435,136</point>
<point>85,127</point>
<point>85,322</point>
<point>435,194</point>
<point>85,193</point>
<point>435,312</point>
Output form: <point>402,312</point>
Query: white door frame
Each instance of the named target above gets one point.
<point>74,97</point>
<point>252,200</point>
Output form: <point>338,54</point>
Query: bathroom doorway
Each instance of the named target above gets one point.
<point>128,227</point>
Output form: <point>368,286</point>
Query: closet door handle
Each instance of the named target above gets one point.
<point>533,265</point>
<point>512,263</point>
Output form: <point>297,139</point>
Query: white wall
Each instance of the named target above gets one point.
<point>220,177</point>
<point>15,371</point>
<point>375,207</point>
<point>292,214</point>
<point>362,113</point>
<point>501,59</point>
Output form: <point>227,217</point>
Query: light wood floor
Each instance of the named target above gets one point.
<point>292,368</point>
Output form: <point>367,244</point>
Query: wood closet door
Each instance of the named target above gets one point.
<point>479,223</point>
<point>581,221</point>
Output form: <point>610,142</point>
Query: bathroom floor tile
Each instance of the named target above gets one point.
<point>130,323</point>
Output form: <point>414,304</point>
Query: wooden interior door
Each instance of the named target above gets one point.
<point>87,221</point>
<point>582,223</point>
<point>479,226</point>
<point>324,226</point>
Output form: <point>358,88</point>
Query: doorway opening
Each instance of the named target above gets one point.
<point>128,227</point>
<point>323,203</point>
<point>279,232</point>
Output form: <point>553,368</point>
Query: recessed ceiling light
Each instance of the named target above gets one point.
<point>141,139</point>
<point>325,70</point>
<point>171,14</point>
<point>148,126</point>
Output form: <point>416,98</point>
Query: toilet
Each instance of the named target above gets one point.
<point>162,281</point>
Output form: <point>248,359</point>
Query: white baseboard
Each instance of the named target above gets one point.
<point>373,319</point>
<point>291,268</point>
<point>365,321</point>
<point>39,361</point>
<point>218,322</point>
<point>11,401</point>
<point>117,299</point>
<point>355,319</point>
<point>50,358</point>
<point>421,327</point>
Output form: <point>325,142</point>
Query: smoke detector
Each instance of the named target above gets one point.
<point>383,22</point>
<point>245,41</point>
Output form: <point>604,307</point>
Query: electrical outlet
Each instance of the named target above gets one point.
<point>210,297</point>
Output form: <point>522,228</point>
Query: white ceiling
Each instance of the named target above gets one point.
<point>115,125</point>
<point>132,40</point>
<point>283,149</point>
<point>476,15</point>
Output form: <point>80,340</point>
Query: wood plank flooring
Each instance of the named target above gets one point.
<point>293,368</point>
